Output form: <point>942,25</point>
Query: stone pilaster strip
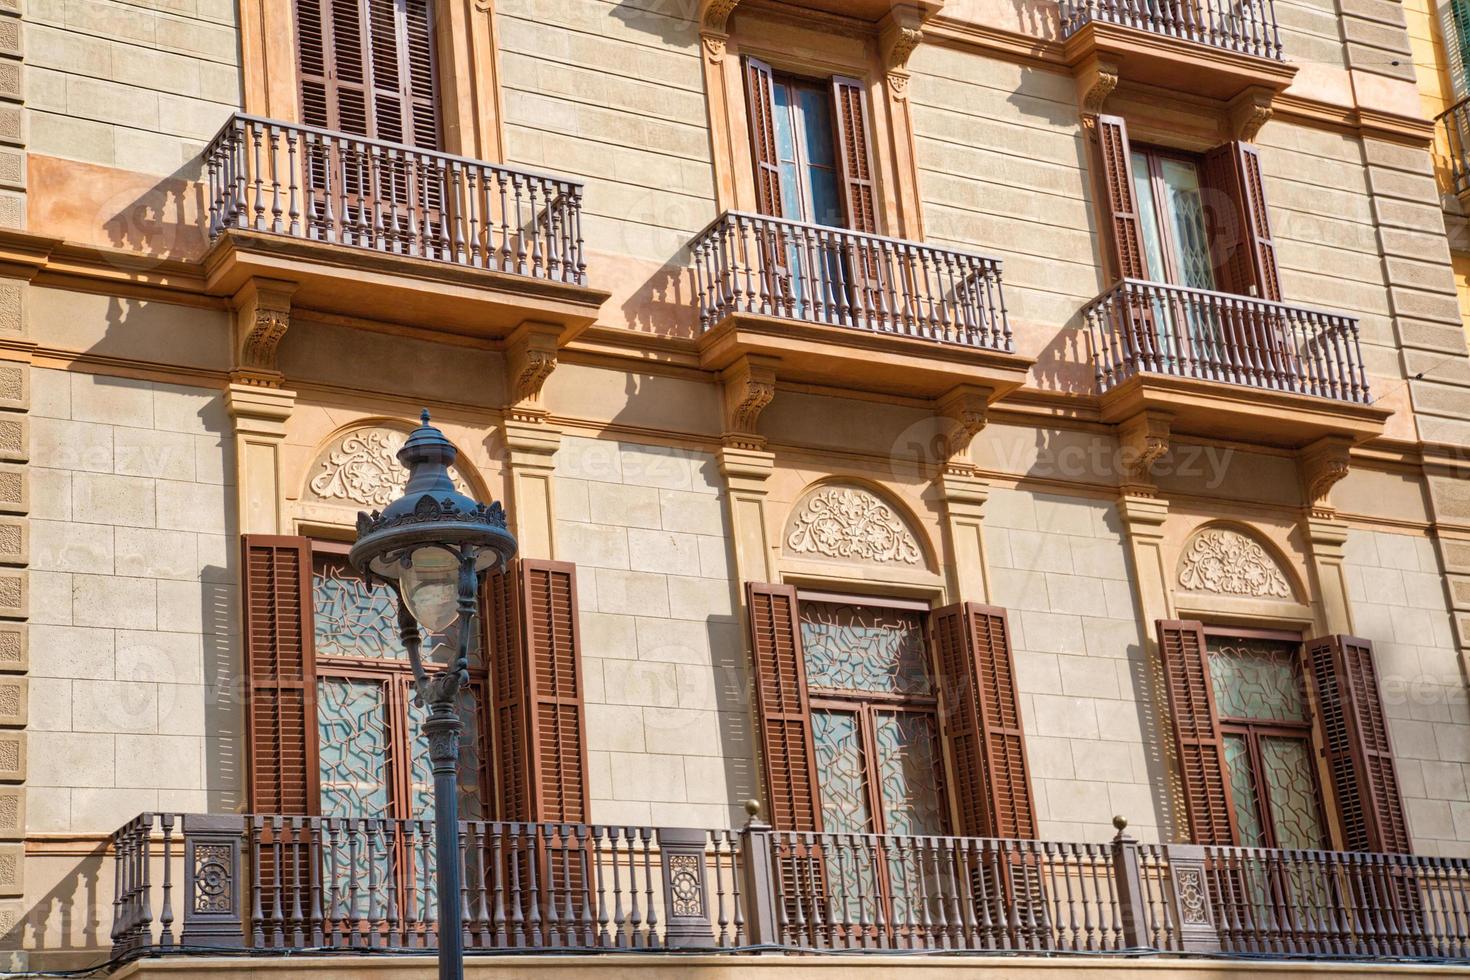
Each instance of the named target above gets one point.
<point>531,444</point>
<point>747,472</point>
<point>259,414</point>
<point>964,505</point>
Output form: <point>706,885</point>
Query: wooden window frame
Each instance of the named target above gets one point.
<point>1154,155</point>
<point>1254,729</point>
<point>822,87</point>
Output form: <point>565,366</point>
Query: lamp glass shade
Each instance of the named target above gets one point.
<point>430,587</point>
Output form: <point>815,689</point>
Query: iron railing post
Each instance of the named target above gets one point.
<point>759,889</point>
<point>1128,881</point>
<point>212,908</point>
<point>687,921</point>
<point>1189,891</point>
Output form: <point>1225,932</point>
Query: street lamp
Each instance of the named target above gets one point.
<point>432,544</point>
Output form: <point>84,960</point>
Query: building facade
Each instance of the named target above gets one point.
<point>951,425</point>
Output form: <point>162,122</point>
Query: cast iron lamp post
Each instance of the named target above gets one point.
<point>432,544</point>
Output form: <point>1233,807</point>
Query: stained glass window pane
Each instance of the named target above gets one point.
<point>840,772</point>
<point>864,648</point>
<point>1256,679</point>
<point>352,725</point>
<point>908,771</point>
<point>471,798</point>
<point>1243,791</point>
<point>1289,789</point>
<point>352,620</point>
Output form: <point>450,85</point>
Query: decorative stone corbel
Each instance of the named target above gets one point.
<point>750,384</point>
<point>1248,112</point>
<point>1322,465</point>
<point>899,33</point>
<point>1096,80</point>
<point>966,409</point>
<point>714,27</point>
<point>1142,441</point>
<point>530,357</point>
<point>262,317</point>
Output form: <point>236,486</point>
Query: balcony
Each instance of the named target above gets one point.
<point>1454,126</point>
<point>378,230</point>
<point>1215,48</point>
<point>1229,366</point>
<point>278,885</point>
<point>831,306</point>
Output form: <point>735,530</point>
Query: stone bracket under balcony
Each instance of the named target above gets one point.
<point>374,231</point>
<point>1179,48</point>
<point>826,306</point>
<point>1229,367</point>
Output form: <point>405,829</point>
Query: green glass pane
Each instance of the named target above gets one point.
<point>1243,791</point>
<point>1290,790</point>
<point>840,772</point>
<point>1256,679</point>
<point>471,799</point>
<point>907,773</point>
<point>864,648</point>
<point>351,619</point>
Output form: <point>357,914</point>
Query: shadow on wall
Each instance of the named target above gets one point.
<point>69,917</point>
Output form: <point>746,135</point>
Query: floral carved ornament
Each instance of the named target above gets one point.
<point>362,467</point>
<point>1229,563</point>
<point>848,523</point>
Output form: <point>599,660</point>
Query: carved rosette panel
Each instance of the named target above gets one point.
<point>213,871</point>
<point>1225,562</point>
<point>1189,885</point>
<point>685,893</point>
<point>362,468</point>
<point>851,524</point>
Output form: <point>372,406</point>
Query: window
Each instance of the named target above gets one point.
<point>874,717</point>
<point>1266,724</point>
<point>805,152</point>
<point>371,758</point>
<point>1171,218</point>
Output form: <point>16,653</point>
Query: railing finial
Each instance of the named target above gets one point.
<point>1120,823</point>
<point>753,812</point>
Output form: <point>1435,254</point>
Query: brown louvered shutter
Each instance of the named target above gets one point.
<point>537,715</point>
<point>1359,754</point>
<point>367,68</point>
<point>782,710</point>
<point>982,722</point>
<point>854,156</point>
<point>761,109</point>
<point>1198,744</point>
<point>1245,255</point>
<point>1115,189</point>
<point>281,696</point>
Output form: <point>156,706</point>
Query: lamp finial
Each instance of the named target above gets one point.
<point>424,416</point>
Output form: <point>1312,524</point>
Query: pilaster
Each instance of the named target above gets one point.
<point>1322,465</point>
<point>1143,518</point>
<point>747,472</point>
<point>531,445</point>
<point>259,415</point>
<point>964,503</point>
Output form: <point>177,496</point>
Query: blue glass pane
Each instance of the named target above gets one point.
<point>840,772</point>
<point>826,198</point>
<point>850,647</point>
<point>351,619</point>
<point>471,800</point>
<point>352,727</point>
<point>815,108</point>
<point>908,773</point>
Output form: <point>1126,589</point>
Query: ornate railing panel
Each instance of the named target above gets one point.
<point>251,884</point>
<point>1454,122</point>
<point>315,184</point>
<point>1151,328</point>
<point>1244,26</point>
<point>754,264</point>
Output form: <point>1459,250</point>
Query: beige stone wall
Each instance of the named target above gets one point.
<point>138,87</point>
<point>1059,566</point>
<point>133,602</point>
<point>667,707</point>
<point>1398,594</point>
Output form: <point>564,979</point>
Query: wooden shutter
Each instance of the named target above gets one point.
<point>1359,754</point>
<point>367,68</point>
<point>1244,253</point>
<point>761,108</point>
<point>854,157</point>
<point>537,714</point>
<point>1115,192</point>
<point>281,692</point>
<point>782,710</point>
<point>982,721</point>
<point>1197,741</point>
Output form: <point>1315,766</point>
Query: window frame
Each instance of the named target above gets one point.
<point>822,87</point>
<point>866,705</point>
<point>1253,730</point>
<point>1154,155</point>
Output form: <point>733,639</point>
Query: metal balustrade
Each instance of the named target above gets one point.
<point>1152,328</point>
<point>293,884</point>
<point>755,264</point>
<point>1245,26</point>
<point>1454,123</point>
<point>315,184</point>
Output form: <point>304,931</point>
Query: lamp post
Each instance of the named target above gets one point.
<point>432,544</point>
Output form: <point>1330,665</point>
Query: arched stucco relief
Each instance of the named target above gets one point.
<point>1229,561</point>
<point>360,468</point>
<point>846,522</point>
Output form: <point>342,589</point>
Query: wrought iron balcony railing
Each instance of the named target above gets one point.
<point>1151,328</point>
<point>263,884</point>
<point>1454,122</point>
<point>315,184</point>
<point>755,264</point>
<point>1243,26</point>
